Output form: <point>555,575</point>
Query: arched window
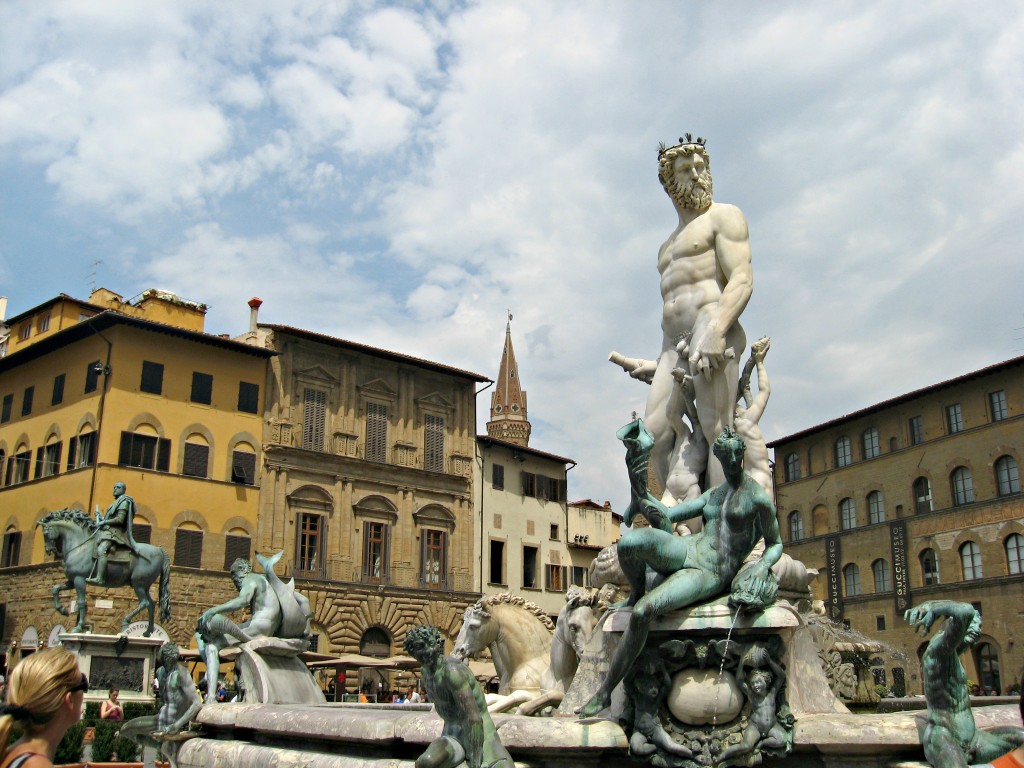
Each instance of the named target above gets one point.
<point>11,548</point>
<point>1007,476</point>
<point>929,567</point>
<point>963,486</point>
<point>970,561</point>
<point>987,659</point>
<point>376,643</point>
<point>796,526</point>
<point>1014,546</point>
<point>872,446</point>
<point>876,507</point>
<point>880,570</point>
<point>844,452</point>
<point>847,514</point>
<point>922,495</point>
<point>851,580</point>
<point>792,466</point>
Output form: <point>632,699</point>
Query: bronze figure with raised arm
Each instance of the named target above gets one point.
<point>699,567</point>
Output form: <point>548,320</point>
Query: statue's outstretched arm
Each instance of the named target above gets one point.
<point>686,510</point>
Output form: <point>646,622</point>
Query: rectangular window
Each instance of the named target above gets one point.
<point>248,397</point>
<point>375,552</point>
<point>554,532</point>
<point>195,460</point>
<point>188,548</point>
<point>82,451</point>
<point>243,467</point>
<point>92,376</point>
<point>498,476</point>
<point>497,563</point>
<point>236,548</point>
<point>58,389</point>
<point>554,576</point>
<point>308,557</point>
<point>579,576</point>
<point>152,378</point>
<point>530,575</point>
<point>144,451</point>
<point>5,409</point>
<point>916,430</point>
<point>433,443</point>
<point>376,432</point>
<point>844,452</point>
<point>434,572</point>
<point>997,404</point>
<point>529,483</point>
<point>26,403</point>
<point>50,460</point>
<point>314,416</point>
<point>12,549</point>
<point>954,419</point>
<point>18,468</point>
<point>202,388</point>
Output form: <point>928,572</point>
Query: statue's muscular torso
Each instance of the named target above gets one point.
<point>692,279</point>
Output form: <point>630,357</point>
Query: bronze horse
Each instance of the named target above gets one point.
<point>70,534</point>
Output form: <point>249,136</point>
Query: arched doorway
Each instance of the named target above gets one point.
<point>376,643</point>
<point>986,658</point>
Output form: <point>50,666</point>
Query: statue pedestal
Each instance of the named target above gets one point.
<point>272,673</point>
<point>116,661</point>
<point>692,684</point>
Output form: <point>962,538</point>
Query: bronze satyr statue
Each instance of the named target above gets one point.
<point>469,734</point>
<point>950,738</point>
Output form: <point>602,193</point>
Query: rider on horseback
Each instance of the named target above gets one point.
<point>113,530</point>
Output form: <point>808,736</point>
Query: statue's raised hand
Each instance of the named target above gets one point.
<point>922,617</point>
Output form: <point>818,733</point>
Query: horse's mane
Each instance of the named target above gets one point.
<point>507,598</point>
<point>577,597</point>
<point>76,516</point>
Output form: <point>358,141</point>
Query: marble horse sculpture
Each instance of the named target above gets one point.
<point>518,635</point>
<point>71,535</point>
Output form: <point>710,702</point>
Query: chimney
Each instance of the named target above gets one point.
<point>254,311</point>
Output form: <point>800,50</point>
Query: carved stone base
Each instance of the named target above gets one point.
<point>272,673</point>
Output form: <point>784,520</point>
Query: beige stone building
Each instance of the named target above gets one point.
<point>368,487</point>
<point>532,542</point>
<point>916,498</point>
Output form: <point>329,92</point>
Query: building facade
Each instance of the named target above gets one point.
<point>368,487</point>
<point>913,499</point>
<point>99,391</point>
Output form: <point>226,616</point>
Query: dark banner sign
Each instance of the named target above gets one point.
<point>900,578</point>
<point>834,563</point>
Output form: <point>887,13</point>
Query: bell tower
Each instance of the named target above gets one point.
<point>508,402</point>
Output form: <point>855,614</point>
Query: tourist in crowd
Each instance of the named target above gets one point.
<point>111,708</point>
<point>45,696</point>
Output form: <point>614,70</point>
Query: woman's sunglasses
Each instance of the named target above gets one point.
<point>82,685</point>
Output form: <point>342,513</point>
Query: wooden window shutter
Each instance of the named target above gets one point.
<point>142,533</point>
<point>236,548</point>
<point>243,467</point>
<point>196,460</point>
<point>39,462</point>
<point>188,548</point>
<point>124,456</point>
<point>314,417</point>
<point>163,457</point>
<point>376,432</point>
<point>72,452</point>
<point>433,443</point>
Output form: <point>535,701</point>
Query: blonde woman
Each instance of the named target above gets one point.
<point>45,696</point>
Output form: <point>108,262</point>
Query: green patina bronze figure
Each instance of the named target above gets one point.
<point>950,738</point>
<point>469,734</point>
<point>102,552</point>
<point>696,568</point>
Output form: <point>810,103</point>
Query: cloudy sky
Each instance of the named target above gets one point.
<point>403,174</point>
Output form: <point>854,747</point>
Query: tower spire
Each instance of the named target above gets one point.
<point>508,401</point>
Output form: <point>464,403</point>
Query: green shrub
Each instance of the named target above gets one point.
<point>92,714</point>
<point>70,748</point>
<point>133,709</point>
<point>103,741</point>
<point>126,749</point>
